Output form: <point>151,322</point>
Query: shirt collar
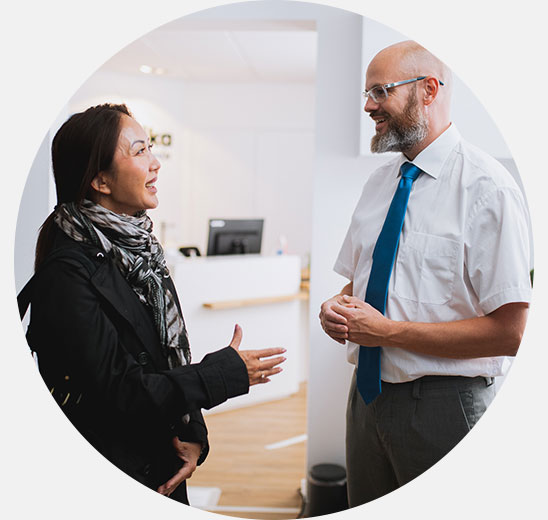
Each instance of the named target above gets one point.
<point>433,157</point>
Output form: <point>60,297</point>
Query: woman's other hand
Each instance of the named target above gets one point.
<point>188,452</point>
<point>259,371</point>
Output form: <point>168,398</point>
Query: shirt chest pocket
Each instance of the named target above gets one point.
<point>426,268</point>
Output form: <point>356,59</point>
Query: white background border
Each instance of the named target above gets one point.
<point>50,48</point>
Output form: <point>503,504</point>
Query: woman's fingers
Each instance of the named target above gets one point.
<point>270,372</point>
<point>236,337</point>
<point>270,363</point>
<point>264,370</point>
<point>259,370</point>
<point>174,482</point>
<point>265,352</point>
<point>188,452</point>
<point>263,376</point>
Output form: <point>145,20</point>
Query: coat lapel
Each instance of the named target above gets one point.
<point>110,283</point>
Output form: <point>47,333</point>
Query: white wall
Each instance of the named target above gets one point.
<point>239,150</point>
<point>250,150</point>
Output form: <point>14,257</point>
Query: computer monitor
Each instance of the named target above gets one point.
<point>234,236</point>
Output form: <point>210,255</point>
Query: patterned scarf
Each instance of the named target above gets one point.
<point>140,258</point>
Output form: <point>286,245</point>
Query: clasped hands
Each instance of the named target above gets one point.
<point>345,317</point>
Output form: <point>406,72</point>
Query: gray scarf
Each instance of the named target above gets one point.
<point>140,258</point>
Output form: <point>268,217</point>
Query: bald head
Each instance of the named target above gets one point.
<point>411,59</point>
<point>408,59</point>
<point>429,100</point>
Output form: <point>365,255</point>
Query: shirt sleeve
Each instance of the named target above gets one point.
<point>497,249</point>
<point>345,265</point>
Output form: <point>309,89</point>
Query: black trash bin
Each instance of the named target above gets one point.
<point>326,490</point>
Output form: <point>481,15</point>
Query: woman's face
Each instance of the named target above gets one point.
<point>130,185</point>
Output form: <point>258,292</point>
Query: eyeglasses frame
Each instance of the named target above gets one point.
<point>386,86</point>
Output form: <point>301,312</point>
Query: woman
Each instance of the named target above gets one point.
<point>106,323</point>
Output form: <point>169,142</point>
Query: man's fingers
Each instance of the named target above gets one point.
<point>332,315</point>
<point>352,301</point>
<point>330,327</point>
<point>337,332</point>
<point>236,337</point>
<point>341,310</point>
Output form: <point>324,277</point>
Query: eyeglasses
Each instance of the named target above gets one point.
<point>379,94</point>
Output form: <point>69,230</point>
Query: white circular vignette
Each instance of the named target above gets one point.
<point>491,47</point>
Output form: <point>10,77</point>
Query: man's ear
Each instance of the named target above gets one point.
<point>100,183</point>
<point>431,87</point>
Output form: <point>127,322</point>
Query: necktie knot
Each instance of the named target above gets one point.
<point>410,171</point>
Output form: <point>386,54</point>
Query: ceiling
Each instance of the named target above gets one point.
<point>227,51</point>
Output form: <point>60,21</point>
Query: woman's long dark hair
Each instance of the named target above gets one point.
<point>82,147</point>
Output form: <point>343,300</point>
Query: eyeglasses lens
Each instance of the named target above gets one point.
<point>378,94</point>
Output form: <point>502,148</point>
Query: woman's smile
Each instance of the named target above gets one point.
<point>151,185</point>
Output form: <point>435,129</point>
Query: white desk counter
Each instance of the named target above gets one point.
<point>261,294</point>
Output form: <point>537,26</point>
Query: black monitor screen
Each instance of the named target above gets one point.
<point>234,237</point>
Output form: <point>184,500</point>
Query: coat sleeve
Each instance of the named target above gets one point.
<point>69,323</point>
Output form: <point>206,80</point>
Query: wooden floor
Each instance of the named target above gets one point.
<point>249,475</point>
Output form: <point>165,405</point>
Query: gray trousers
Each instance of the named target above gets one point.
<point>407,429</point>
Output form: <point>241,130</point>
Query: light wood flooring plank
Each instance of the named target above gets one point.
<point>248,474</point>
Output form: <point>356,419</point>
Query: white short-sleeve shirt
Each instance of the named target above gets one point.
<point>464,249</point>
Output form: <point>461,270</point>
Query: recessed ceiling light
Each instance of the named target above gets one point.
<point>145,69</point>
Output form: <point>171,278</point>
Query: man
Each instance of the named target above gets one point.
<point>447,301</point>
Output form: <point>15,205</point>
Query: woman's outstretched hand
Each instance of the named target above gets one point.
<point>258,370</point>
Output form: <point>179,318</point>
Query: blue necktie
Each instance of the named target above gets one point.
<point>384,254</point>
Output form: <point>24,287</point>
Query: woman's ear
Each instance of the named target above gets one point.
<point>100,183</point>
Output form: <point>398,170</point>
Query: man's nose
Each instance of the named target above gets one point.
<point>370,105</point>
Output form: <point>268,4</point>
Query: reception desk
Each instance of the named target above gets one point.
<point>260,293</point>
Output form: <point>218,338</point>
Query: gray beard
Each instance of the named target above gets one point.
<point>399,140</point>
<point>403,132</point>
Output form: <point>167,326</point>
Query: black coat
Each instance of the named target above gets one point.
<point>99,354</point>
